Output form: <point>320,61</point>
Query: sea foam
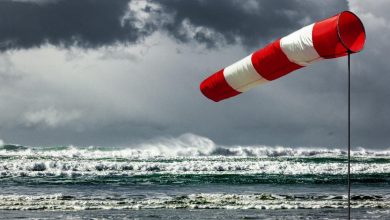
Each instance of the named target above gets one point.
<point>188,145</point>
<point>190,201</point>
<point>188,154</point>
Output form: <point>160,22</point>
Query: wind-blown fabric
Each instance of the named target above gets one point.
<point>330,38</point>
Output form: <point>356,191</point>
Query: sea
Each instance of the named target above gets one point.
<point>191,177</point>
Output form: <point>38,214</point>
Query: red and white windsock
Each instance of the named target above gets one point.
<point>329,38</point>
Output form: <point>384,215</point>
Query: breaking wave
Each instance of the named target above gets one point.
<point>48,167</point>
<point>190,159</point>
<point>190,201</point>
<point>188,145</point>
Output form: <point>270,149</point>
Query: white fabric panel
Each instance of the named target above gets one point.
<point>298,46</point>
<point>242,76</point>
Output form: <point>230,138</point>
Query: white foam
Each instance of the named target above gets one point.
<point>188,154</point>
<point>71,167</point>
<point>192,201</point>
<point>189,145</point>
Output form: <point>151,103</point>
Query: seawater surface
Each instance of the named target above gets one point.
<point>190,177</point>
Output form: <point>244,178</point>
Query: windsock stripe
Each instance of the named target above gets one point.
<point>299,48</point>
<point>326,40</point>
<point>271,62</point>
<point>242,75</point>
<point>217,88</point>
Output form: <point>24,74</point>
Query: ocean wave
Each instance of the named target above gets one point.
<point>190,159</point>
<point>190,201</point>
<point>188,145</point>
<point>55,167</point>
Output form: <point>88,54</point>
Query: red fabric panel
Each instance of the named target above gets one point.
<point>326,40</point>
<point>271,63</point>
<point>216,88</point>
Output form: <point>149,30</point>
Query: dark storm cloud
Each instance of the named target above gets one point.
<point>250,21</point>
<point>120,97</point>
<point>87,23</point>
<point>94,23</point>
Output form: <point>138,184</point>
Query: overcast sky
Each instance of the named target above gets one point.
<point>92,72</point>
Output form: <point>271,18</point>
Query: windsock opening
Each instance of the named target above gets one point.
<point>351,31</point>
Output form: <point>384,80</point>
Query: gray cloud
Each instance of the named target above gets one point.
<point>87,23</point>
<point>94,23</point>
<point>251,22</point>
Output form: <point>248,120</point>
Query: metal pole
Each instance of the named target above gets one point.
<point>349,135</point>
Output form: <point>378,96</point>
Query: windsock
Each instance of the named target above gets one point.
<point>330,38</point>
